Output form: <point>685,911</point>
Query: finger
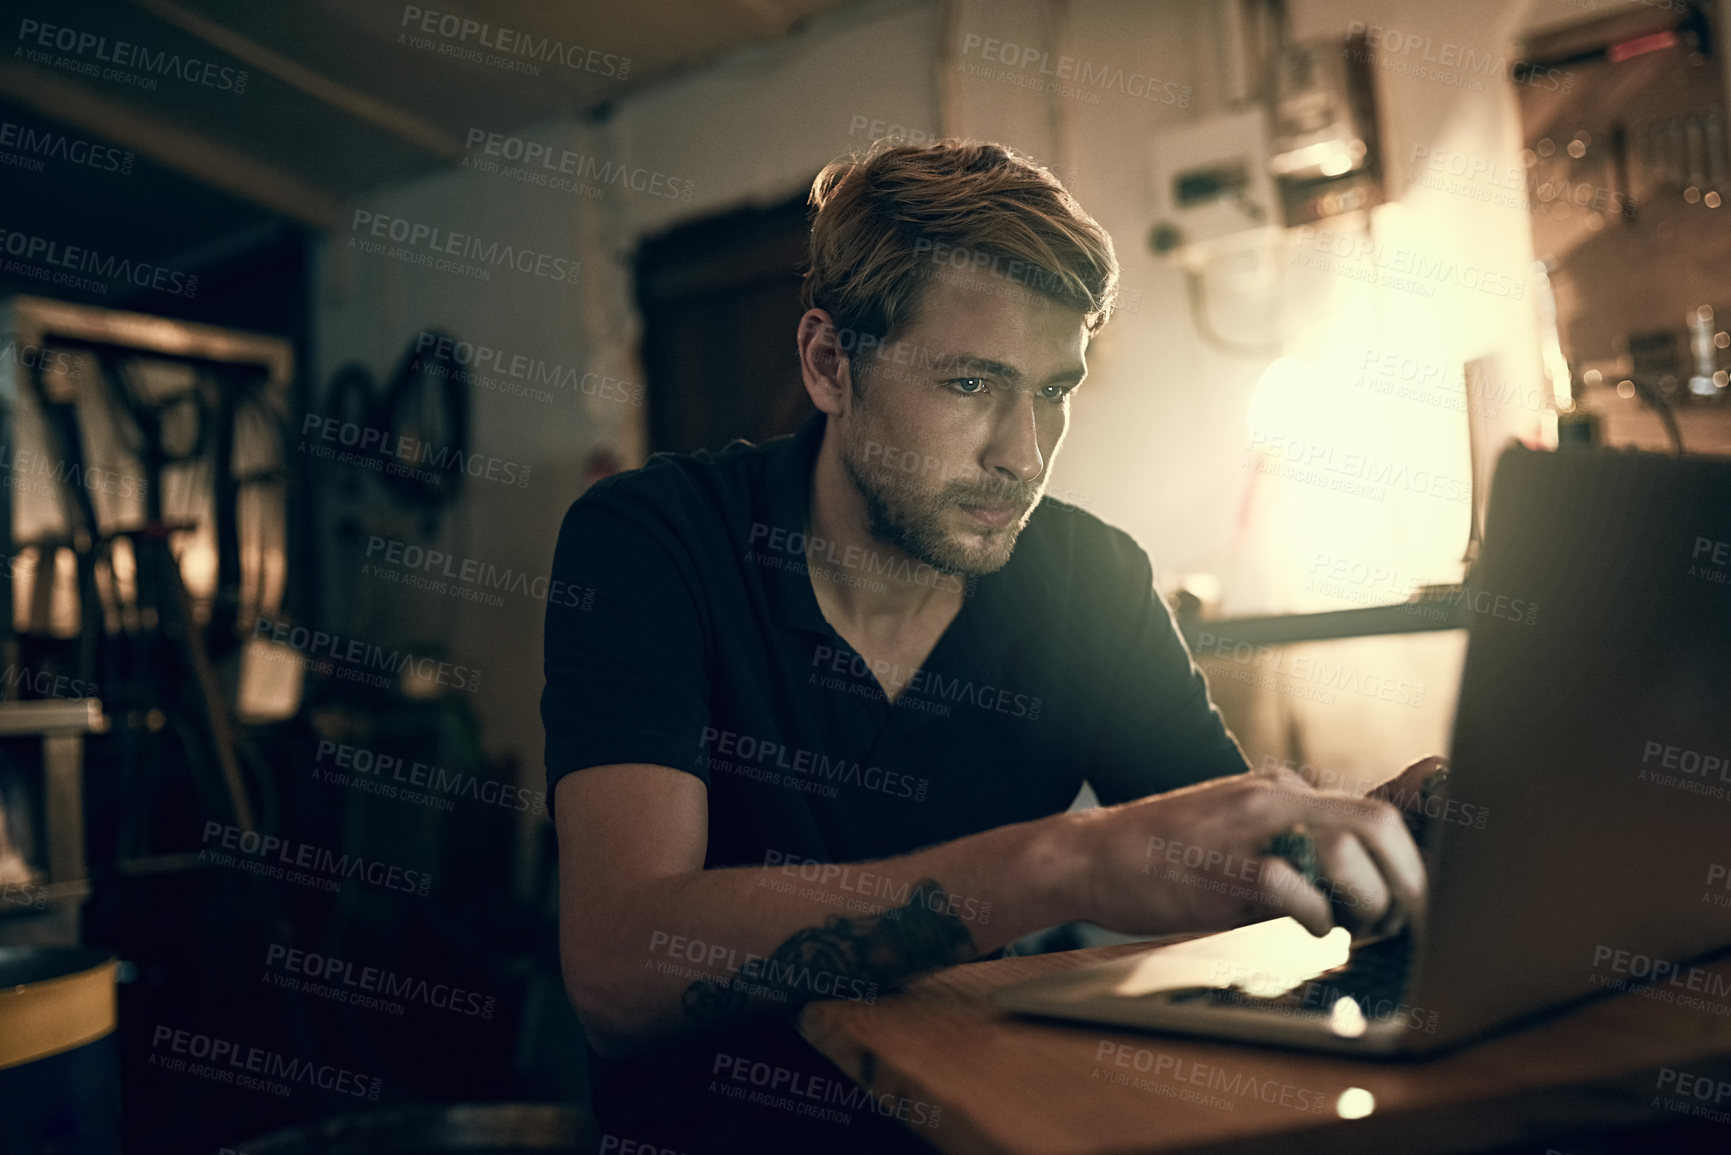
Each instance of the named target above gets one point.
<point>1379,828</point>
<point>1415,776</point>
<point>1284,891</point>
<point>1356,888</point>
<point>1411,780</point>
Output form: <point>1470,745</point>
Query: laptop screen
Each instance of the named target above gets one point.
<point>1595,731</point>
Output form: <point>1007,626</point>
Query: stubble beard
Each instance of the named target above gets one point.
<point>903,515</point>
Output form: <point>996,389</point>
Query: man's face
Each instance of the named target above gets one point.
<point>963,410</point>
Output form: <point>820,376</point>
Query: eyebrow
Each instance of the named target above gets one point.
<point>985,366</point>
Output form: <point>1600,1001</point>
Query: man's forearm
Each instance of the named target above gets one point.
<point>682,953</point>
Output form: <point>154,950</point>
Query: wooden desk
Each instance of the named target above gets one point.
<point>1028,1087</point>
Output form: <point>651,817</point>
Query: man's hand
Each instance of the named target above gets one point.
<point>1411,782</point>
<point>1410,792</point>
<point>1200,859</point>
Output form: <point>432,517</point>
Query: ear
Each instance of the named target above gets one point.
<point>823,364</point>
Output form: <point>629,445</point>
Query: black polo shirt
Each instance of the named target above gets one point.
<point>702,648</point>
<point>688,635</point>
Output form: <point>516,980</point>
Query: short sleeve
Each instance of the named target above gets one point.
<point>624,647</point>
<point>1161,730</point>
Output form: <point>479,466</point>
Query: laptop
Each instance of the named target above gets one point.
<point>1592,744</point>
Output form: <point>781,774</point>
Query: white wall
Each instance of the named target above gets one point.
<point>1161,432</point>
<point>753,127</point>
<point>371,309</point>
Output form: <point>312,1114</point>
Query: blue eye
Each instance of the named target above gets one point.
<point>1063,391</point>
<point>960,381</point>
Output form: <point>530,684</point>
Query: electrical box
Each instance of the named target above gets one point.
<point>1237,180</point>
<point>1213,189</point>
<point>1324,156</point>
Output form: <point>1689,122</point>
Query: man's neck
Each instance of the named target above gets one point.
<point>893,598</point>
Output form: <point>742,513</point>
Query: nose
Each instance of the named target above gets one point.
<point>1014,451</point>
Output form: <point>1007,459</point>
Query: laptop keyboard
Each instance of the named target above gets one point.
<point>1374,976</point>
<point>1375,971</point>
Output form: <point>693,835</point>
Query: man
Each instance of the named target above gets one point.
<point>873,644</point>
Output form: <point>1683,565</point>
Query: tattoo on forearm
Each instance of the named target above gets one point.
<point>844,954</point>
